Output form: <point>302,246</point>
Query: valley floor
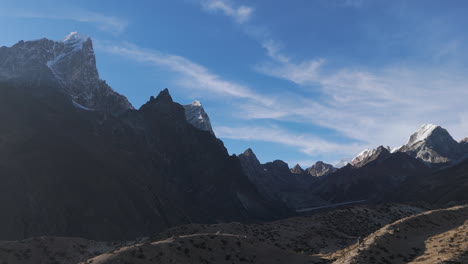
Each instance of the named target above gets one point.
<point>393,233</point>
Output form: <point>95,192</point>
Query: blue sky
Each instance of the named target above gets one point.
<point>301,80</point>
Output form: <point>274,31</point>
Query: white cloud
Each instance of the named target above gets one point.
<point>111,24</point>
<point>192,75</point>
<point>240,14</point>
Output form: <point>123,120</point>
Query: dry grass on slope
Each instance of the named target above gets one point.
<point>52,250</point>
<point>438,236</point>
<point>202,248</point>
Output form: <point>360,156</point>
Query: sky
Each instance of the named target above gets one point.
<point>299,80</point>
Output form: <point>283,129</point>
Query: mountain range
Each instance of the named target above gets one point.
<point>75,151</point>
<point>77,159</point>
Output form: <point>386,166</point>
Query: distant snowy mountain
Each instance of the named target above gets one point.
<point>433,145</point>
<point>69,64</point>
<point>196,116</point>
<point>368,155</point>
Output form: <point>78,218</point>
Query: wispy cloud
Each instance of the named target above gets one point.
<point>192,75</point>
<point>307,143</point>
<point>240,13</point>
<point>111,24</point>
<point>375,106</point>
<point>382,107</point>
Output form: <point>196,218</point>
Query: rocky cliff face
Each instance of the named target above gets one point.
<point>69,64</point>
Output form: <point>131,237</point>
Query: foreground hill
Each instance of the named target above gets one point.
<point>438,236</point>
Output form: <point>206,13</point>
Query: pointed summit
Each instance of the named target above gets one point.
<point>164,96</point>
<point>423,133</point>
<point>297,169</point>
<point>367,156</point>
<point>320,168</point>
<point>249,152</point>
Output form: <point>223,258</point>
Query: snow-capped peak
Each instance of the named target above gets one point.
<point>365,154</point>
<point>424,132</point>
<point>196,115</point>
<point>362,155</point>
<point>196,103</point>
<point>75,39</point>
<point>396,149</point>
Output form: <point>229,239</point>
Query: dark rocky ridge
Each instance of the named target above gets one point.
<point>381,175</point>
<point>279,184</point>
<point>66,171</point>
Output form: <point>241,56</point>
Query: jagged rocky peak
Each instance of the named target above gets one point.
<point>249,152</point>
<point>297,169</point>
<point>197,117</point>
<point>68,64</point>
<point>369,155</point>
<point>320,169</point>
<point>163,97</point>
<point>249,156</point>
<point>162,106</point>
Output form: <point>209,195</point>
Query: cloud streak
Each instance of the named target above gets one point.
<point>192,75</point>
<point>241,14</point>
<point>378,106</point>
<point>308,144</point>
